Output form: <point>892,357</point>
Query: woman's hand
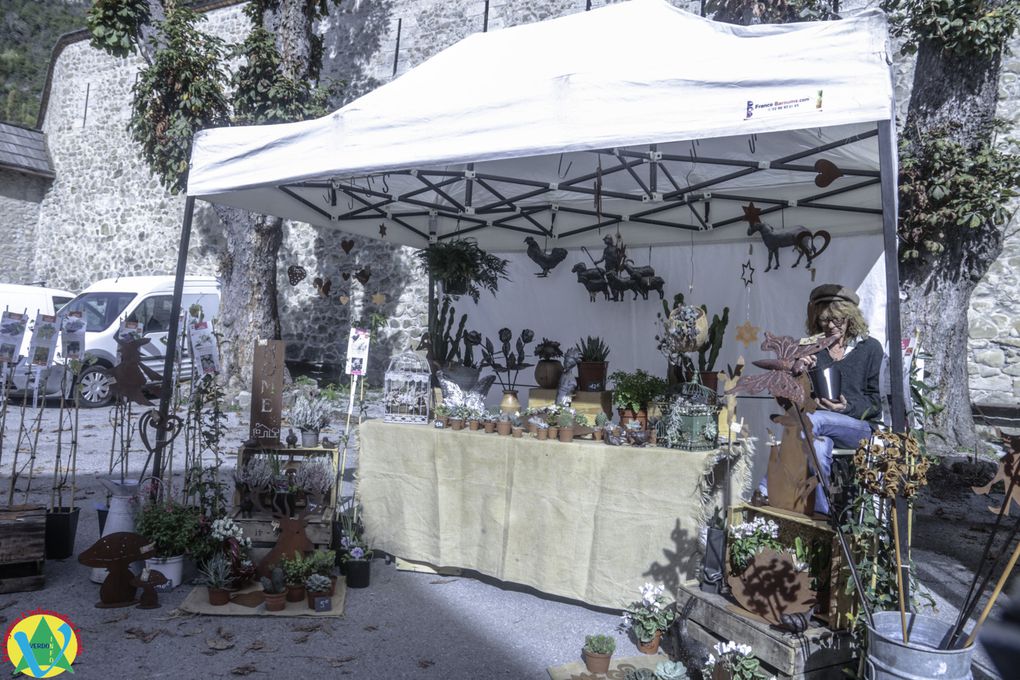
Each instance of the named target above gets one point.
<point>837,406</point>
<point>809,361</point>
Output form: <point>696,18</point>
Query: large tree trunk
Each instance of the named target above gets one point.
<point>248,308</point>
<point>950,90</point>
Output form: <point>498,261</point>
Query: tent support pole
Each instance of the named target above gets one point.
<point>890,217</point>
<point>166,391</point>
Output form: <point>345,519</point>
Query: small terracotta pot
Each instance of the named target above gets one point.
<point>312,596</point>
<point>597,434</point>
<point>597,663</point>
<point>532,428</point>
<point>554,432</point>
<point>653,437</point>
<point>295,593</point>
<point>566,434</point>
<point>503,427</point>
<point>517,432</point>
<point>473,425</point>
<point>652,646</point>
<point>541,434</point>
<point>332,586</point>
<point>456,424</point>
<point>275,602</point>
<point>219,597</point>
<point>489,426</point>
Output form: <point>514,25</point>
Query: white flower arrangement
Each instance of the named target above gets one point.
<point>225,528</point>
<point>738,659</point>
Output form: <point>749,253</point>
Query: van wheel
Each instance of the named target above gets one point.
<point>96,385</point>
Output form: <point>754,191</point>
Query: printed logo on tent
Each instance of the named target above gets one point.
<point>786,104</point>
<point>41,644</point>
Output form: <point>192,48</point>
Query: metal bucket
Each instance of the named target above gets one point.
<point>890,659</point>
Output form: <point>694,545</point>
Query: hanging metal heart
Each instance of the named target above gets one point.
<point>347,245</point>
<point>150,421</point>
<point>296,274</point>
<point>828,173</point>
<point>344,299</point>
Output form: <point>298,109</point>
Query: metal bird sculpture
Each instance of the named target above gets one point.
<point>547,260</point>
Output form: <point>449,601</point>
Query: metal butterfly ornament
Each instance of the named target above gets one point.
<point>780,374</point>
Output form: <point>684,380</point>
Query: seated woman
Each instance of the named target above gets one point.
<point>832,310</point>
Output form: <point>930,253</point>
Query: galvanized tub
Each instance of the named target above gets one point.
<point>890,659</point>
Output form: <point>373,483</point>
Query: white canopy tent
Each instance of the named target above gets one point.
<point>564,131</point>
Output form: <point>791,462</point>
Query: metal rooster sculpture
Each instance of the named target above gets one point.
<point>546,260</point>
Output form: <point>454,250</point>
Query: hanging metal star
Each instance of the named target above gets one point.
<point>382,230</point>
<point>747,275</point>
<point>378,298</point>
<point>747,333</point>
<point>752,214</point>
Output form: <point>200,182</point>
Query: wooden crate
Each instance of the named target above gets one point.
<point>22,548</point>
<point>815,654</point>
<point>834,604</point>
<point>259,528</point>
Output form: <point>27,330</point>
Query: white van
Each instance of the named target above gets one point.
<point>145,299</point>
<point>32,300</point>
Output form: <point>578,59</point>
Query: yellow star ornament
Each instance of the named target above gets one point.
<point>747,333</point>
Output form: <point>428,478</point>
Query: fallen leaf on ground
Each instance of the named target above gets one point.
<point>306,627</point>
<point>115,619</point>
<point>188,633</point>
<point>255,646</point>
<point>301,639</point>
<point>246,669</point>
<point>340,661</point>
<point>443,581</point>
<point>371,628</point>
<point>219,644</point>
<point>141,634</point>
<point>224,633</point>
<point>425,663</point>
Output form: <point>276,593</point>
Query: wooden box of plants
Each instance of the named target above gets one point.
<point>22,548</point>
<point>826,561</point>
<point>257,519</point>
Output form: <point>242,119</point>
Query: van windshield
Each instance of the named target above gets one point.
<point>99,309</point>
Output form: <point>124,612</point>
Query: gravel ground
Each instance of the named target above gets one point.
<point>406,625</point>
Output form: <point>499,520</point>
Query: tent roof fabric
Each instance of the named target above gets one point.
<point>509,131</point>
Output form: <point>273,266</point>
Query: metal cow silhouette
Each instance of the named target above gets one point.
<point>130,375</point>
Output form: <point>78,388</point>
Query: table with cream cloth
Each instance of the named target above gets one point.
<point>582,520</point>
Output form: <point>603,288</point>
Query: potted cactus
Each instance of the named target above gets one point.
<point>565,423</point>
<point>601,419</point>
<point>275,590</point>
<point>598,653</point>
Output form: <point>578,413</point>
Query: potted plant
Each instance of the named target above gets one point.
<point>541,428</point>
<point>295,570</point>
<point>489,421</point>
<point>173,528</point>
<point>503,424</point>
<point>592,368</point>
<point>684,329</point>
<point>450,346</point>
<point>228,540</point>
<point>215,574</point>
<point>670,670</point>
<point>601,420</point>
<point>323,563</point>
<point>565,423</point>
<point>317,585</point>
<point>548,369</point>
<point>355,552</point>
<point>648,618</point>
<point>507,363</point>
<point>274,590</point>
<point>516,426</point>
<point>315,479</point>
<point>311,410</point>
<point>632,392</point>
<point>733,661</point>
<point>442,414</point>
<point>462,267</point>
<point>598,652</point>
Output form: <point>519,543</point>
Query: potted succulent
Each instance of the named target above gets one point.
<point>274,589</point>
<point>317,585</point>
<point>295,570</point>
<point>489,421</point>
<point>323,562</point>
<point>541,428</point>
<point>311,410</point>
<point>670,670</point>
<point>503,425</point>
<point>174,529</point>
<point>548,369</point>
<point>632,393</point>
<point>215,574</point>
<point>458,416</point>
<point>684,329</point>
<point>565,423</point>
<point>442,414</point>
<point>462,267</point>
<point>507,363</point>
<point>648,618</point>
<point>601,420</point>
<point>591,371</point>
<point>516,426</point>
<point>598,652</point>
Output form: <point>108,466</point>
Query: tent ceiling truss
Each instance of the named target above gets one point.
<point>486,205</point>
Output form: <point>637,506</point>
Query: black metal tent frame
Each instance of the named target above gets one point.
<point>492,201</point>
<point>628,160</point>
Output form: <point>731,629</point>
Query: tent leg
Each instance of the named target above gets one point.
<point>167,388</point>
<point>890,216</point>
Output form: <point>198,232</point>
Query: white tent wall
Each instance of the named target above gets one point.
<point>558,307</point>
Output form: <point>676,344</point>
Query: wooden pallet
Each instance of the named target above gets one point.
<point>834,604</point>
<point>817,654</point>
<point>259,528</point>
<point>22,548</point>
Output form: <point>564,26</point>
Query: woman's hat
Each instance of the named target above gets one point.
<point>833,292</point>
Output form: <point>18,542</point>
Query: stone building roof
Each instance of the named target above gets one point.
<point>24,150</point>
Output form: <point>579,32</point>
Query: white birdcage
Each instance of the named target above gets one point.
<point>408,386</point>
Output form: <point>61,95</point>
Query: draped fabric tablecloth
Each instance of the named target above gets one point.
<point>585,521</point>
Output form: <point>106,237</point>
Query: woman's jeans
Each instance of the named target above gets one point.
<point>830,429</point>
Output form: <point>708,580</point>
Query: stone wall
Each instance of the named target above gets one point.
<point>20,195</point>
<point>106,215</point>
